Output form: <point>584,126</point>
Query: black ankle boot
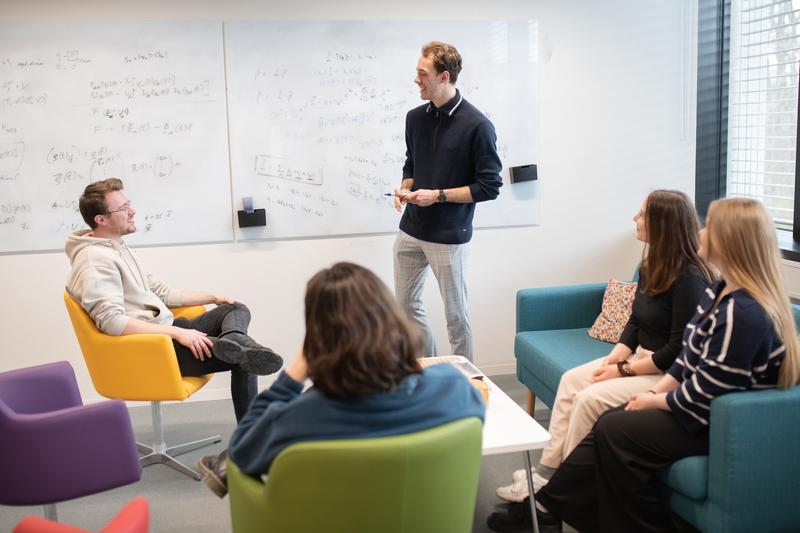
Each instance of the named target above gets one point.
<point>518,518</point>
<point>239,349</point>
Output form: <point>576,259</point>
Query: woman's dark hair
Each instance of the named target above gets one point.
<point>358,341</point>
<point>672,240</point>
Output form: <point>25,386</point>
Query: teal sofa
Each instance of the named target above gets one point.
<point>749,480</point>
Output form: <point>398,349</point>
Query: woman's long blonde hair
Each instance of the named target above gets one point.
<point>744,239</point>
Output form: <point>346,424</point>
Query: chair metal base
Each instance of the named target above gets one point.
<point>158,453</point>
<point>50,512</point>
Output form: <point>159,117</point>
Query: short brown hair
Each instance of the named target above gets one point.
<point>93,199</point>
<point>445,57</point>
<point>673,240</point>
<point>358,341</point>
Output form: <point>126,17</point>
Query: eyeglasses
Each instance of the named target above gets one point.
<point>124,207</point>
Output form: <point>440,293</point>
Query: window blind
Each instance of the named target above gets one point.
<point>762,112</point>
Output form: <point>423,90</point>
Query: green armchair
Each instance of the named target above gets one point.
<point>415,483</point>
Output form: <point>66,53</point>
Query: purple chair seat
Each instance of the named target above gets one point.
<point>54,448</point>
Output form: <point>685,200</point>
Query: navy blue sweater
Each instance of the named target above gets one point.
<point>281,415</point>
<point>731,348</point>
<point>449,147</point>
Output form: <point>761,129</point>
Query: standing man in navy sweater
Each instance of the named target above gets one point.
<point>451,163</point>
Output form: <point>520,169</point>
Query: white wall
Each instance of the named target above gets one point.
<point>617,96</point>
<point>791,273</point>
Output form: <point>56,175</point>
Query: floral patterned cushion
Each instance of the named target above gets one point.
<point>616,310</point>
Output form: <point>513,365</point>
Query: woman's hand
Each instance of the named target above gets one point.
<point>644,400</point>
<point>298,368</point>
<point>606,372</point>
<point>618,354</point>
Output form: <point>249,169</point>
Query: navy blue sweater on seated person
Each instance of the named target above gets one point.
<point>728,348</point>
<point>449,147</point>
<point>282,415</point>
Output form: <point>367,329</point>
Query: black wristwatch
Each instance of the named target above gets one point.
<point>442,196</point>
<point>625,369</point>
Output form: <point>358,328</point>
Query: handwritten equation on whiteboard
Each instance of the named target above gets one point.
<point>317,115</point>
<point>316,130</point>
<point>144,102</point>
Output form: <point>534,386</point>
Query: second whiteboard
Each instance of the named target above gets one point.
<point>317,117</point>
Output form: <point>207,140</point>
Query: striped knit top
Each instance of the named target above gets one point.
<point>729,348</point>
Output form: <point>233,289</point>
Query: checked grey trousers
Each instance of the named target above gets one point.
<point>448,262</point>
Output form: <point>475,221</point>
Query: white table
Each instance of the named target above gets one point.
<point>507,427</point>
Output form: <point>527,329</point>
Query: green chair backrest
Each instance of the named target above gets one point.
<point>414,483</point>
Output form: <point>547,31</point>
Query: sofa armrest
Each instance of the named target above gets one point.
<point>754,438</point>
<point>562,307</point>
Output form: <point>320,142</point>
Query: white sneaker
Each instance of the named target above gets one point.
<point>518,490</point>
<point>519,475</point>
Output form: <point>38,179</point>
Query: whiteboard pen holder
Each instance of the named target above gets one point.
<point>257,218</point>
<point>524,173</point>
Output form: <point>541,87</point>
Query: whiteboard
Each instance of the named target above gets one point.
<point>317,116</point>
<point>144,102</point>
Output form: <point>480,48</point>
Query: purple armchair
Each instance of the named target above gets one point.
<point>53,447</point>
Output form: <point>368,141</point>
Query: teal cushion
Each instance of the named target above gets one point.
<point>689,477</point>
<point>548,354</point>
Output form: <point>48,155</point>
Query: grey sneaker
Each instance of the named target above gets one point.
<point>239,349</point>
<point>214,470</point>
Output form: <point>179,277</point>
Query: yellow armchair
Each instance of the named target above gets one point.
<point>140,368</point>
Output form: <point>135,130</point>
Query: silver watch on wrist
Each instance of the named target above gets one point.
<point>442,196</point>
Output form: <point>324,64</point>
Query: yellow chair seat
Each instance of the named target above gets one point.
<point>133,367</point>
<point>139,368</point>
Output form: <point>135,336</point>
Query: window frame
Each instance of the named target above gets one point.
<point>713,69</point>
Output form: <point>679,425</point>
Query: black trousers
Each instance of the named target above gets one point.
<point>223,319</point>
<point>609,482</point>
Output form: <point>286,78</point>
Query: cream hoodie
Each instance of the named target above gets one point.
<point>108,280</point>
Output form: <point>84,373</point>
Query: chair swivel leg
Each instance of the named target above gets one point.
<point>160,454</point>
<point>50,512</point>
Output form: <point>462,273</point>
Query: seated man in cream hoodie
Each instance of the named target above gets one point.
<point>111,284</point>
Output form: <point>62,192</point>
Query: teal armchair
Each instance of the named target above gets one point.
<point>746,483</point>
<point>415,483</point>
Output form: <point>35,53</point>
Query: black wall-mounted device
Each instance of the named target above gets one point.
<point>257,218</point>
<point>524,173</point>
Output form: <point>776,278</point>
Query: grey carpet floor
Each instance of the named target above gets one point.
<point>179,504</point>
